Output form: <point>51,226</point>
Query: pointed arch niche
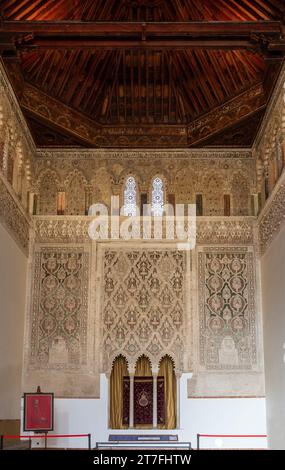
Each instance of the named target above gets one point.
<point>145,397</point>
<point>130,196</point>
<point>157,196</point>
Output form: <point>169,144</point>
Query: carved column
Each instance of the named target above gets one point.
<point>35,204</point>
<point>256,208</point>
<point>154,401</point>
<point>108,375</point>
<point>88,198</point>
<point>131,421</point>
<point>178,377</point>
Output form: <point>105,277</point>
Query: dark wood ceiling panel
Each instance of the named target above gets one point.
<point>143,10</point>
<point>136,86</point>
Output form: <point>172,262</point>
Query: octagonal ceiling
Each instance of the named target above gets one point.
<point>143,73</point>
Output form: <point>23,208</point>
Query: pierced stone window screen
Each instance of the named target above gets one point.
<point>130,197</point>
<point>157,197</point>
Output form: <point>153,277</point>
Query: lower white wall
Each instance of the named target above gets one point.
<point>273,296</point>
<point>13,275</point>
<point>207,415</point>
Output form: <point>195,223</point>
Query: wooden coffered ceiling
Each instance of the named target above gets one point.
<point>124,73</point>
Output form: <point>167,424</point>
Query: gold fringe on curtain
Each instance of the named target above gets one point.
<point>166,370</point>
<point>120,369</point>
<point>143,367</point>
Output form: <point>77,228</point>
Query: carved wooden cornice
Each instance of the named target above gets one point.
<point>124,154</point>
<point>227,115</point>
<point>64,118</point>
<point>56,114</point>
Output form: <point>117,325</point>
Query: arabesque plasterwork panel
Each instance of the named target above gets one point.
<point>227,310</point>
<point>59,309</point>
<point>143,305</point>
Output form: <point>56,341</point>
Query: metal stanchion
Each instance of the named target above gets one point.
<point>1,442</point>
<point>89,441</point>
<point>198,441</point>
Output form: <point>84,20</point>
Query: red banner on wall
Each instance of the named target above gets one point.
<point>38,412</point>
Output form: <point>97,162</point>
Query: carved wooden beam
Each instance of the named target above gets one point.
<point>104,44</point>
<point>86,28</point>
<point>110,35</point>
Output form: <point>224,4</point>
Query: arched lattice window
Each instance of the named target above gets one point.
<point>130,197</point>
<point>157,197</point>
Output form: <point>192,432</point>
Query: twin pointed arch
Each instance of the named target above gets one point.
<point>142,364</point>
<point>131,195</point>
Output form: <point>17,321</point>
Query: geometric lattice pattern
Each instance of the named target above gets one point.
<point>227,310</point>
<point>143,307</point>
<point>59,309</point>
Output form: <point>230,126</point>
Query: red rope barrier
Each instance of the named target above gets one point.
<point>233,435</point>
<point>45,436</point>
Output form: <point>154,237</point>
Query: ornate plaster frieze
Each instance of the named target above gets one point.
<point>225,230</point>
<point>13,216</point>
<point>272,218</point>
<point>122,154</point>
<point>210,230</point>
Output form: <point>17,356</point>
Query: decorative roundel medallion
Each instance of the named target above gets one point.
<point>143,401</point>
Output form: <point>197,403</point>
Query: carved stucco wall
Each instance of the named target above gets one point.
<point>269,146</point>
<point>64,334</point>
<point>227,309</point>
<point>90,301</point>
<point>144,307</point>
<point>227,342</point>
<point>16,145</point>
<point>93,176</point>
<point>60,308</point>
